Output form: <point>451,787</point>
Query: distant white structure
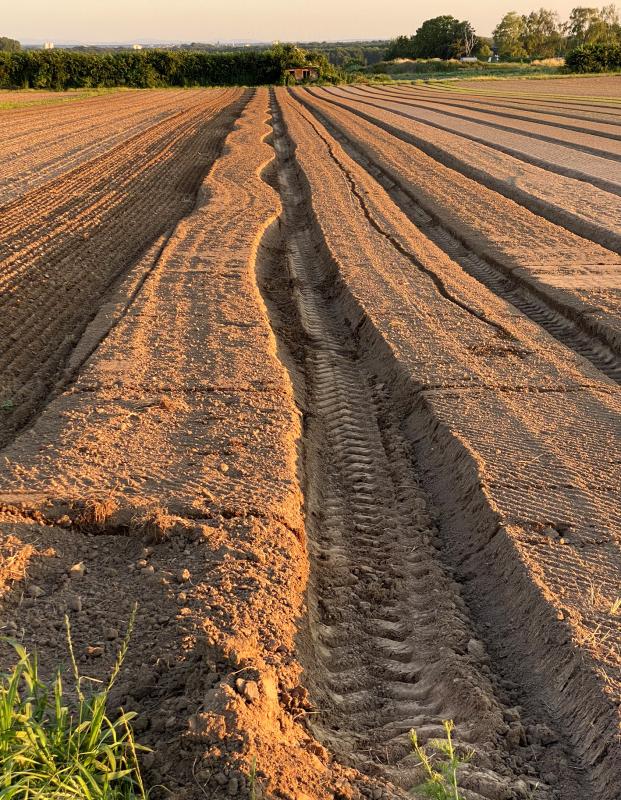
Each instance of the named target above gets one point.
<point>136,47</point>
<point>48,45</point>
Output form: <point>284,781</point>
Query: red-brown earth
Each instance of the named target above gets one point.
<point>329,387</point>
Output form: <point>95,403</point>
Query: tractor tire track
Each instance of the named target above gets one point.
<point>390,644</point>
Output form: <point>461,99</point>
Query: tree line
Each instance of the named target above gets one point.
<point>540,34</point>
<point>63,69</point>
<point>349,55</point>
<point>441,37</point>
<point>9,45</point>
<point>340,54</point>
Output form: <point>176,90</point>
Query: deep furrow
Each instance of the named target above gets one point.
<point>392,642</point>
<point>571,332</point>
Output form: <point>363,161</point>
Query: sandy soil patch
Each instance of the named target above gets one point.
<point>587,87</point>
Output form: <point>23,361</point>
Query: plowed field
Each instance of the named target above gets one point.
<point>327,381</point>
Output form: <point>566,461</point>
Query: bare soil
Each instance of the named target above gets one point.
<point>341,415</point>
<point>37,145</point>
<point>526,247</point>
<point>587,88</point>
<point>63,245</point>
<point>581,207</point>
<point>26,97</point>
<point>553,155</point>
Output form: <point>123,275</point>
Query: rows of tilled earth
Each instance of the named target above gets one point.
<point>37,144</point>
<point>15,98</point>
<point>63,244</point>
<point>325,332</point>
<point>555,234</point>
<point>586,89</point>
<point>165,475</point>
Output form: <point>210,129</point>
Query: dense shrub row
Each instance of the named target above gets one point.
<point>62,69</point>
<point>432,66</point>
<point>594,58</point>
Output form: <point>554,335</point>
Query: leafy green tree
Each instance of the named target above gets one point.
<point>581,25</point>
<point>401,47</point>
<point>587,26</point>
<point>542,37</point>
<point>9,45</point>
<point>441,37</point>
<point>436,38</point>
<point>465,39</point>
<point>509,37</point>
<point>609,16</point>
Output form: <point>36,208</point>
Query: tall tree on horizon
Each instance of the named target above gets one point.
<point>440,37</point>
<point>589,25</point>
<point>543,37</point>
<point>509,36</point>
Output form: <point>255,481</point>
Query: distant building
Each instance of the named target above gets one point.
<point>136,47</point>
<point>300,74</point>
<point>48,45</point>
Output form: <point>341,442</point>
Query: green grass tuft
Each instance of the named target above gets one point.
<point>441,783</point>
<point>49,751</point>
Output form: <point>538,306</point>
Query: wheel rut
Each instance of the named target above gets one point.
<point>571,329</point>
<point>389,643</point>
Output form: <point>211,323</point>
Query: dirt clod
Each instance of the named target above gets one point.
<point>77,570</point>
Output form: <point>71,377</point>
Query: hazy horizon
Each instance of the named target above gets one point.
<point>236,20</point>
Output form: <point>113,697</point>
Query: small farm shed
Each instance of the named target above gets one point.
<point>300,74</point>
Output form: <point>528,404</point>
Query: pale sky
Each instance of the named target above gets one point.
<point>220,20</point>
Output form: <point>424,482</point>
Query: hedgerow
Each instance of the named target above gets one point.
<point>594,58</point>
<point>64,69</point>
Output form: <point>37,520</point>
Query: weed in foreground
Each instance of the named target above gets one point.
<point>252,780</point>
<point>441,783</point>
<point>48,751</point>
